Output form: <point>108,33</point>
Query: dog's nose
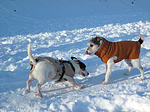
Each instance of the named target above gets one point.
<point>87,73</point>
<point>86,52</point>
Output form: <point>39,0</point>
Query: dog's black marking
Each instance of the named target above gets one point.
<point>96,40</point>
<point>141,41</point>
<point>82,65</point>
<point>63,68</point>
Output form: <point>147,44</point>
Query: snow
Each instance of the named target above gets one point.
<point>61,29</point>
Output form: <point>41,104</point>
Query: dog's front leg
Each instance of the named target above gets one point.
<point>109,66</point>
<point>72,81</point>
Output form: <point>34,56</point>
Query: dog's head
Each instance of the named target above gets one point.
<point>93,45</point>
<point>80,67</point>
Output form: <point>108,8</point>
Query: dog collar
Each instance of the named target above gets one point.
<point>63,71</point>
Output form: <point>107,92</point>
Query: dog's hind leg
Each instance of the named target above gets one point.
<point>110,64</point>
<point>130,66</point>
<point>138,65</point>
<point>31,79</point>
<point>38,85</point>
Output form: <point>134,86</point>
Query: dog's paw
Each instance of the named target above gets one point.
<point>40,95</point>
<point>28,90</point>
<point>80,87</point>
<point>104,83</point>
<point>141,79</point>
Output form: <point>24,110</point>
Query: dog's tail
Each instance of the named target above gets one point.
<point>30,55</point>
<point>141,40</point>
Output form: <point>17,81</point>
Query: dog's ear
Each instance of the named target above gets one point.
<point>74,58</point>
<point>98,39</point>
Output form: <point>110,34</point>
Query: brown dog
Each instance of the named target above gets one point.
<point>113,52</point>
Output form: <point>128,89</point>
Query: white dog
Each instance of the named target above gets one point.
<point>43,68</point>
<point>113,52</point>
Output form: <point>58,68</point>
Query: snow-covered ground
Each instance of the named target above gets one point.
<point>61,29</point>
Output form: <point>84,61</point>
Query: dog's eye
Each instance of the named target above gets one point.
<point>91,45</point>
<point>83,69</point>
